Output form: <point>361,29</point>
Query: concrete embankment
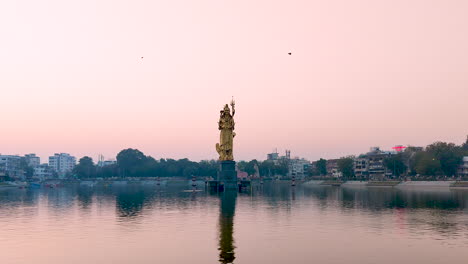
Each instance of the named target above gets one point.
<point>429,185</point>
<point>313,182</point>
<point>425,184</point>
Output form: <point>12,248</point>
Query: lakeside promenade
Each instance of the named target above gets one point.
<point>393,184</point>
<point>53,183</point>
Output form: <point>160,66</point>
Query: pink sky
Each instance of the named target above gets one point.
<point>362,73</point>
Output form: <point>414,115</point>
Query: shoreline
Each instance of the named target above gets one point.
<point>394,184</point>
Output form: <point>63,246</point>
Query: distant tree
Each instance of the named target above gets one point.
<point>465,146</point>
<point>250,167</point>
<point>85,168</point>
<point>241,165</point>
<point>107,171</point>
<point>311,171</point>
<point>208,168</point>
<point>282,167</point>
<point>130,161</point>
<point>427,164</point>
<point>270,168</point>
<point>396,164</point>
<point>267,168</point>
<point>321,167</point>
<point>346,167</point>
<point>172,168</point>
<point>449,155</point>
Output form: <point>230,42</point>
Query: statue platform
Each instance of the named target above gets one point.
<point>227,174</point>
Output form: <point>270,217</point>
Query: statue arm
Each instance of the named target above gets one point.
<point>233,107</point>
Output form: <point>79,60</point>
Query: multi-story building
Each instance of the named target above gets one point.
<point>333,169</point>
<point>10,165</point>
<point>376,166</point>
<point>361,167</point>
<point>103,163</point>
<point>463,169</point>
<point>273,156</point>
<point>43,172</point>
<point>276,158</point>
<point>32,160</point>
<point>298,167</point>
<point>62,163</point>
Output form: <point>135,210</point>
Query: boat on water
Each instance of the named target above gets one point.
<point>35,185</point>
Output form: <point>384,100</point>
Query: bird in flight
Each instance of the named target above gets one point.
<point>289,53</point>
<point>141,57</point>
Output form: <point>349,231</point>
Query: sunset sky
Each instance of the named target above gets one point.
<point>362,73</point>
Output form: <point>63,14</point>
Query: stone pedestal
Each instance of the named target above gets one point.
<point>228,174</point>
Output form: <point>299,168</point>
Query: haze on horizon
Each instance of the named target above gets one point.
<point>362,73</point>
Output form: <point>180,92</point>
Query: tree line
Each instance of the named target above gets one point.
<point>134,163</point>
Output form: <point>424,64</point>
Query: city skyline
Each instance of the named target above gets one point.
<point>96,77</point>
<point>281,152</point>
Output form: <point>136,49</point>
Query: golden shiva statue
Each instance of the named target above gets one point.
<point>226,125</point>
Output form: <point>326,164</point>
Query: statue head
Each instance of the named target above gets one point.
<point>226,109</point>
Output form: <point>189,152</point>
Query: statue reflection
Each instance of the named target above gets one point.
<point>226,227</point>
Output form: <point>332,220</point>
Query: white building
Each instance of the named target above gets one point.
<point>298,167</point>
<point>62,163</point>
<point>103,163</point>
<point>463,169</point>
<point>361,167</point>
<point>43,172</point>
<point>11,165</point>
<point>32,160</point>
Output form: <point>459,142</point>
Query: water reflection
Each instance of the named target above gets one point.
<point>130,204</point>
<point>226,227</point>
<point>157,222</point>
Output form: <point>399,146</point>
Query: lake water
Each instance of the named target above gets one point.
<point>273,224</point>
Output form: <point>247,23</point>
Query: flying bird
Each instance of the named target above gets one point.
<point>289,53</point>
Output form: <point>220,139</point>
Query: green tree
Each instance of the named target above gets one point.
<point>396,164</point>
<point>130,161</point>
<point>85,168</point>
<point>321,167</point>
<point>250,167</point>
<point>267,168</point>
<point>241,165</point>
<point>107,171</point>
<point>427,164</point>
<point>208,168</point>
<point>465,146</point>
<point>346,167</point>
<point>282,167</point>
<point>449,155</point>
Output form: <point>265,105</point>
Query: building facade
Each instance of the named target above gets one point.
<point>32,160</point>
<point>361,167</point>
<point>463,169</point>
<point>103,163</point>
<point>298,167</point>
<point>43,172</point>
<point>376,166</point>
<point>62,163</point>
<point>333,169</point>
<point>10,165</point>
